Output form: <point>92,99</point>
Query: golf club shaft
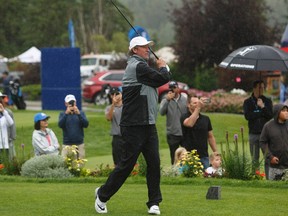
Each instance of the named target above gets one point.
<point>132,27</point>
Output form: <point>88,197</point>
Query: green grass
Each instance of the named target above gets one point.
<point>181,196</point>
<point>98,140</point>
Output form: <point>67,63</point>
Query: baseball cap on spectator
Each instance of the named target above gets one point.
<point>173,84</point>
<point>40,117</point>
<point>69,98</point>
<point>139,41</point>
<point>114,90</point>
<point>2,95</point>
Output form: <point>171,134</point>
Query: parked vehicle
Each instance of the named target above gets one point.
<point>91,64</point>
<point>95,89</point>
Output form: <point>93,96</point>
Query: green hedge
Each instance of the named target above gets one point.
<point>32,92</point>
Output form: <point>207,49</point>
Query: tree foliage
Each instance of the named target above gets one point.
<point>44,23</point>
<point>208,30</point>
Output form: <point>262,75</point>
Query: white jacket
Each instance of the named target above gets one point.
<point>41,144</point>
<point>5,122</point>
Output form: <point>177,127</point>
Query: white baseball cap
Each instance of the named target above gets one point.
<point>2,95</point>
<point>69,98</point>
<point>139,41</point>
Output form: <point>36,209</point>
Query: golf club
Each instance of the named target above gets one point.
<point>136,31</point>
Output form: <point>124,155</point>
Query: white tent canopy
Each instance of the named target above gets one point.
<point>32,55</point>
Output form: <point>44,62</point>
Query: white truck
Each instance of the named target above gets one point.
<point>93,63</point>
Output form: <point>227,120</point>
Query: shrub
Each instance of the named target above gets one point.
<point>190,165</point>
<point>12,166</point>
<point>236,164</point>
<point>32,92</point>
<point>102,171</point>
<point>45,166</point>
<point>285,175</point>
<point>75,165</point>
<point>226,103</point>
<point>172,171</point>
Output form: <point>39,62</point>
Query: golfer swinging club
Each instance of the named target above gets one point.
<point>140,99</point>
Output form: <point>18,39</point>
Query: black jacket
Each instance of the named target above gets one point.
<point>140,94</point>
<point>256,116</point>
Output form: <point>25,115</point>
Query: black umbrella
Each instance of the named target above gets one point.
<point>256,58</point>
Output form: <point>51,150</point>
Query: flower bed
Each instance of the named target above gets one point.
<point>226,102</point>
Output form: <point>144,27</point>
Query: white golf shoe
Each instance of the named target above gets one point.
<point>100,207</point>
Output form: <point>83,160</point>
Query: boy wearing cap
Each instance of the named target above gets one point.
<point>274,141</point>
<point>140,101</point>
<point>73,121</point>
<point>44,140</point>
<point>5,122</point>
<point>173,106</point>
<point>113,114</point>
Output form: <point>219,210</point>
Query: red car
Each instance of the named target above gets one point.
<point>94,88</point>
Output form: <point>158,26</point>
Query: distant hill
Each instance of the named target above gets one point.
<point>153,15</point>
<point>280,10</point>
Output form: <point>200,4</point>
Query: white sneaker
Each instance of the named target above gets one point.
<point>100,207</point>
<point>154,210</point>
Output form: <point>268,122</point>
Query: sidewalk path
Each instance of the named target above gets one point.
<point>37,105</point>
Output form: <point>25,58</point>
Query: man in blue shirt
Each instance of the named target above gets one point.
<point>73,121</point>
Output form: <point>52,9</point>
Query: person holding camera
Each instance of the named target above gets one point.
<point>173,106</point>
<point>113,114</point>
<point>10,129</point>
<point>197,129</point>
<point>5,123</point>
<point>73,121</point>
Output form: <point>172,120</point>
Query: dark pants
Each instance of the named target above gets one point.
<point>117,143</point>
<point>137,139</point>
<point>174,142</point>
<point>254,141</point>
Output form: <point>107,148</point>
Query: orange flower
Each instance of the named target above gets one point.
<point>2,166</point>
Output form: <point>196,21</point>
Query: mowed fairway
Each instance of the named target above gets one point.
<point>30,198</point>
<point>20,196</point>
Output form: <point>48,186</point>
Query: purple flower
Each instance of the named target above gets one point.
<point>235,136</point>
<point>22,145</point>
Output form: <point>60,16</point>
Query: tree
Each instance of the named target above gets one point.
<point>97,20</point>
<point>44,23</point>
<point>10,26</point>
<point>208,30</point>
